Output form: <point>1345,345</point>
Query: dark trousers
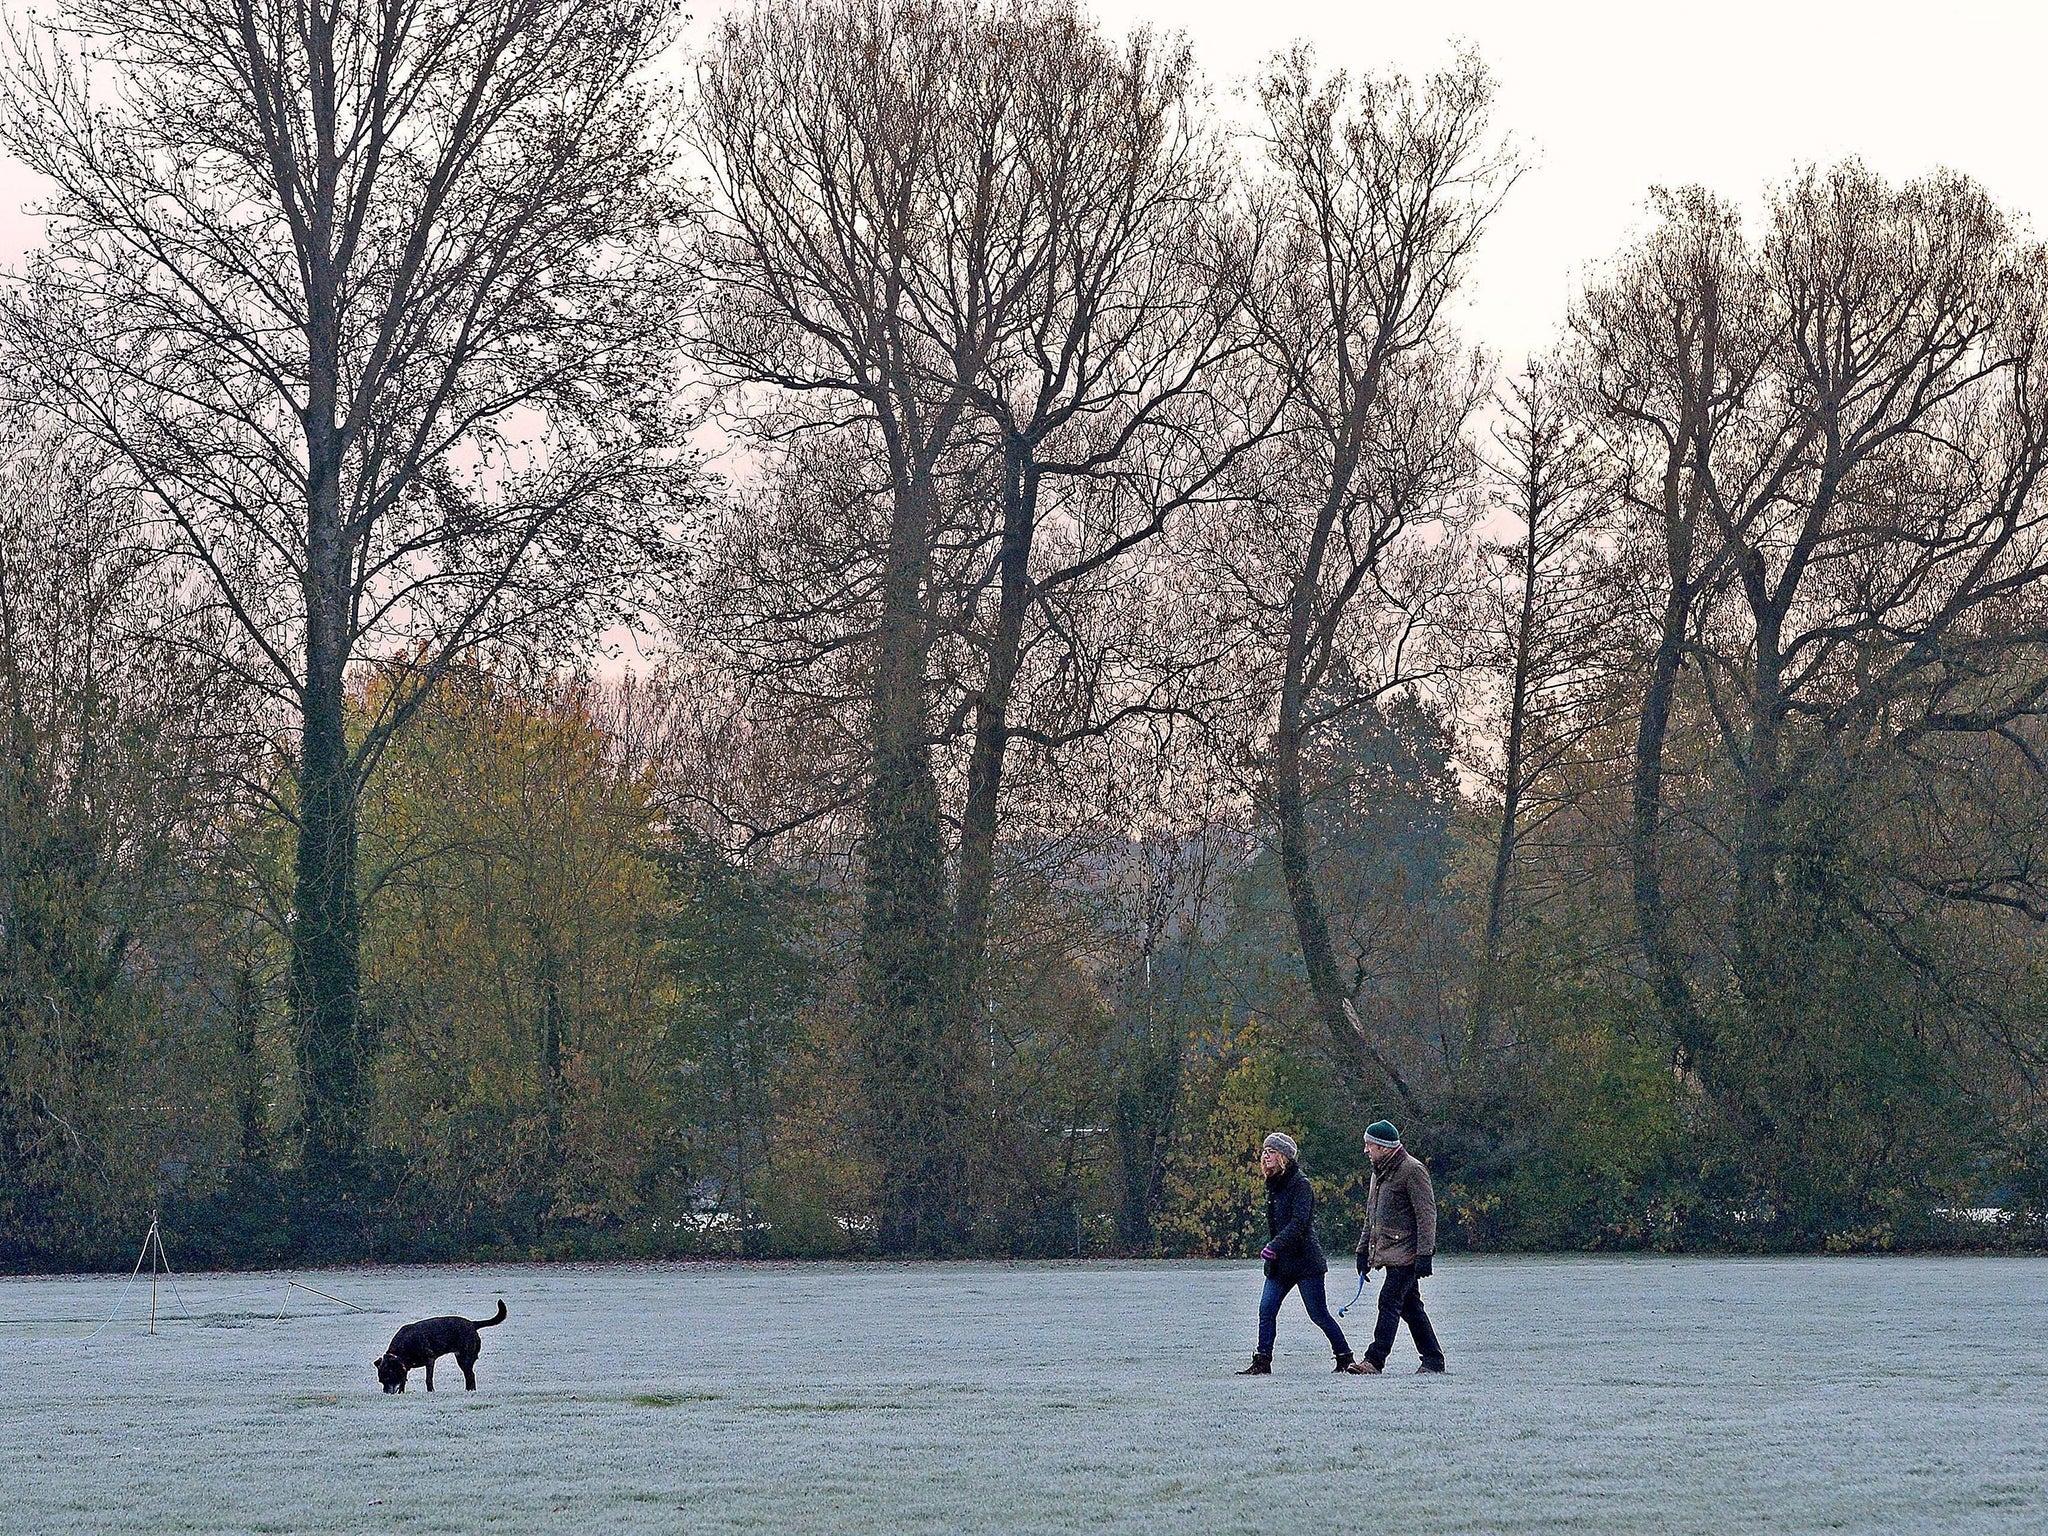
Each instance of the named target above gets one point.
<point>1312,1297</point>
<point>1401,1302</point>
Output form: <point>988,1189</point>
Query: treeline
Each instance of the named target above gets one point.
<point>1124,673</point>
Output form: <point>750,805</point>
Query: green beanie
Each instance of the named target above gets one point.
<point>1381,1133</point>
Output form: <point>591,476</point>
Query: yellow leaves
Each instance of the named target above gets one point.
<point>506,847</point>
<point>1214,1196</point>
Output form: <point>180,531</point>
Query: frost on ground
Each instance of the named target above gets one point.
<point>1587,1395</point>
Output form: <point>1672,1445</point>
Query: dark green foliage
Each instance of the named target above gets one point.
<point>121,936</point>
<point>728,937</point>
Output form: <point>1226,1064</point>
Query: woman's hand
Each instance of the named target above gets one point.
<point>1268,1254</point>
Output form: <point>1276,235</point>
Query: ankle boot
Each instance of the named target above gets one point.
<point>1262,1365</point>
<point>1344,1360</point>
<point>1364,1367</point>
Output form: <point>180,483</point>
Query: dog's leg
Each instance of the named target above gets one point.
<point>430,1375</point>
<point>468,1364</point>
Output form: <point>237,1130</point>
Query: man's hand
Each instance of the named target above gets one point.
<point>1423,1268</point>
<point>1364,1263</point>
<point>1268,1254</point>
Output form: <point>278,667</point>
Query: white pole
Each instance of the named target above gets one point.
<point>154,1267</point>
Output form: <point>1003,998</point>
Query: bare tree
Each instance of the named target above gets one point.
<point>851,189</point>
<point>1548,612</point>
<point>370,301</point>
<point>1834,440</point>
<point>1667,350</point>
<point>979,256</point>
<point>1117,400</point>
<point>1372,201</point>
<point>1898,509</point>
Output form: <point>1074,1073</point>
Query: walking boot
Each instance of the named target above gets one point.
<point>1432,1368</point>
<point>1262,1365</point>
<point>1344,1361</point>
<point>1363,1367</point>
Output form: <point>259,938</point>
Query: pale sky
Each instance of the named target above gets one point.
<point>1611,98</point>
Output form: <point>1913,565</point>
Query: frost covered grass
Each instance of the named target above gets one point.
<point>1632,1395</point>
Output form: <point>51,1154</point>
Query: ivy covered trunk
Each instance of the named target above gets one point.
<point>916,1062</point>
<point>326,928</point>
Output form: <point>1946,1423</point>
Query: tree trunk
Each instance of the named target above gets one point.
<point>1756,850</point>
<point>1653,927</point>
<point>327,930</point>
<point>1487,1001</point>
<point>1318,955</point>
<point>916,1066</point>
<point>249,1098</point>
<point>551,1055</point>
<point>737,1046</point>
<point>1144,1120</point>
<point>327,917</point>
<point>978,820</point>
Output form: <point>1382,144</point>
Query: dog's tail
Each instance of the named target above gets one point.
<point>492,1322</point>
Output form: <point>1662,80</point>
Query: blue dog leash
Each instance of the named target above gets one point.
<point>1354,1299</point>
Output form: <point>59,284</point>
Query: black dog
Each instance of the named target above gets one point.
<point>425,1342</point>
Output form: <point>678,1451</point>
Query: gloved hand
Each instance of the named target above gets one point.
<point>1364,1263</point>
<point>1268,1254</point>
<point>1423,1268</point>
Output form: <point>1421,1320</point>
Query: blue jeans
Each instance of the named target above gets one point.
<point>1312,1298</point>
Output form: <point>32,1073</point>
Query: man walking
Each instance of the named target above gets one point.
<point>1399,1237</point>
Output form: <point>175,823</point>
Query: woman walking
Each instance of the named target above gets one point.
<point>1292,1254</point>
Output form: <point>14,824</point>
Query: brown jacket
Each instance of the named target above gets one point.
<point>1400,1214</point>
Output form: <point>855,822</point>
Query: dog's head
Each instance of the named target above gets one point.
<point>390,1371</point>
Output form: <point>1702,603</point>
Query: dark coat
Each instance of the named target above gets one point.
<point>1400,1214</point>
<point>1291,1223</point>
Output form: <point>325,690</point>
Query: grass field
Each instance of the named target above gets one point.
<point>1586,1395</point>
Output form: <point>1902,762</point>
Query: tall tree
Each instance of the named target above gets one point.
<point>1372,200</point>
<point>1115,400</point>
<point>370,301</point>
<point>1895,510</point>
<point>834,136</point>
<point>1667,350</point>
<point>1546,618</point>
<point>978,256</point>
<point>1833,443</point>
